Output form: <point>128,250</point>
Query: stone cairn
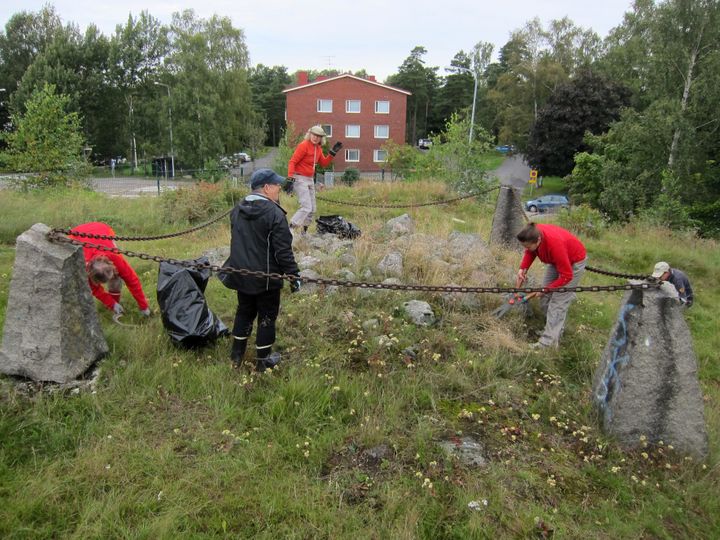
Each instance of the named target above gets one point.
<point>646,383</point>
<point>509,218</point>
<point>52,331</point>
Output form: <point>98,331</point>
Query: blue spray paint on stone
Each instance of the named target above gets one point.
<point>610,382</point>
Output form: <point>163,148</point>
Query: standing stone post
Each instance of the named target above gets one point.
<point>52,331</point>
<point>646,383</point>
<point>509,218</point>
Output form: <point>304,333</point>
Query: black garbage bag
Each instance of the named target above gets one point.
<point>337,225</point>
<point>185,314</point>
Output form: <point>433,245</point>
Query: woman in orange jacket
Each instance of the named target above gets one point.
<point>301,170</point>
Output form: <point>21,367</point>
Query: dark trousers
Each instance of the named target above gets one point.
<point>265,306</point>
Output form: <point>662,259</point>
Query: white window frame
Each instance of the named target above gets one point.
<point>327,128</point>
<point>347,131</point>
<point>321,102</point>
<point>377,106</point>
<point>347,106</point>
<point>347,155</point>
<point>376,153</point>
<point>387,131</point>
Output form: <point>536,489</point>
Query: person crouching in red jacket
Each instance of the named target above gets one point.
<point>104,267</point>
<point>565,257</point>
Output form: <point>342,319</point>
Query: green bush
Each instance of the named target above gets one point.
<point>194,204</point>
<point>350,176</point>
<point>582,220</point>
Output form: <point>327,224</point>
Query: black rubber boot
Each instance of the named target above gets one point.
<point>269,362</point>
<point>238,351</point>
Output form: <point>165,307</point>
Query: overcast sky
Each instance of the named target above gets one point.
<point>375,35</point>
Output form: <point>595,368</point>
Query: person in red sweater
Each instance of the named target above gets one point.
<point>565,257</point>
<point>104,267</point>
<point>301,171</point>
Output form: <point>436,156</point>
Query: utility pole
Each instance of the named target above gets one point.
<point>172,152</point>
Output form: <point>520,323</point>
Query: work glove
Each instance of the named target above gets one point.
<point>289,185</point>
<point>336,148</point>
<point>118,309</point>
<point>146,312</point>
<point>295,285</point>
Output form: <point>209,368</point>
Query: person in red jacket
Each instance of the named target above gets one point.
<point>565,257</point>
<point>104,267</point>
<point>301,171</point>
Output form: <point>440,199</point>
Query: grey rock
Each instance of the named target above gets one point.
<point>509,218</point>
<point>467,450</point>
<point>462,245</point>
<point>309,288</point>
<point>647,383</point>
<point>367,274</point>
<point>345,274</point>
<point>400,225</point>
<point>419,312</point>
<point>391,281</point>
<point>52,331</point>
<point>391,264</point>
<point>370,325</point>
<point>347,259</point>
<point>308,261</point>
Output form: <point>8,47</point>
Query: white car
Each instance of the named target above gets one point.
<point>242,157</point>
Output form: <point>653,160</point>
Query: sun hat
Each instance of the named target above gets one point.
<point>265,176</point>
<point>317,130</point>
<point>660,269</point>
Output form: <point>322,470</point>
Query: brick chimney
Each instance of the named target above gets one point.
<point>302,78</point>
<point>371,78</point>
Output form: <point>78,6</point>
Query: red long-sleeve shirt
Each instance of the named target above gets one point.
<point>558,247</point>
<point>305,157</point>
<point>124,270</point>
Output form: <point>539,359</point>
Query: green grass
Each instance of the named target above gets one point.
<point>175,444</point>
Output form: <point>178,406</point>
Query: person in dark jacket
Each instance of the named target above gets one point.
<point>260,240</point>
<point>679,280</point>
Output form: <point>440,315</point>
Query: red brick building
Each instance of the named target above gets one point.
<point>362,113</point>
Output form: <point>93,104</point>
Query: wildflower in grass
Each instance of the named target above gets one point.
<point>226,432</point>
<point>418,474</point>
<point>176,431</point>
<point>427,483</point>
<point>535,416</point>
<point>644,455</point>
<point>306,453</point>
<point>551,481</point>
<point>615,469</point>
<point>634,478</point>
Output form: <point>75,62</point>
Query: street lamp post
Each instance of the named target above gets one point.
<point>172,152</point>
<point>472,115</point>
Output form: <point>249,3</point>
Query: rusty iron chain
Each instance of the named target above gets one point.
<point>415,205</point>
<point>56,236</point>
<point>138,238</point>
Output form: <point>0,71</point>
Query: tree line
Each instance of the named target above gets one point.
<point>630,120</point>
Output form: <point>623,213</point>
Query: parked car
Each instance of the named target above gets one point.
<point>547,202</point>
<point>506,148</point>
<point>242,157</point>
<point>424,143</point>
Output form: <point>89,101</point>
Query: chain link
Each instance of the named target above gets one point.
<point>415,205</point>
<point>138,238</point>
<point>57,237</point>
